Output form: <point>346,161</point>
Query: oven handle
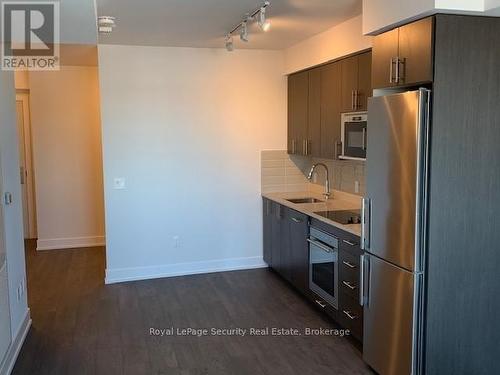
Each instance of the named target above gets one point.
<point>320,245</point>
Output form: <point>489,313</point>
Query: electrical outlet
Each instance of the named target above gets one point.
<point>119,183</point>
<point>176,242</point>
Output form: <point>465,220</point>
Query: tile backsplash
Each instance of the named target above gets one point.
<point>287,173</point>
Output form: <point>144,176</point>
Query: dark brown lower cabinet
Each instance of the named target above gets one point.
<point>267,207</point>
<point>298,225</point>
<point>286,250</point>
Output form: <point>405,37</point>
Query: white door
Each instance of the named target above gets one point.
<point>26,164</point>
<point>5,334</point>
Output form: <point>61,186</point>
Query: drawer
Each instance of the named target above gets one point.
<point>350,244</point>
<point>349,274</point>
<point>351,315</point>
<point>322,305</point>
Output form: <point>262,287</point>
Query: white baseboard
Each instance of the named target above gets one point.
<point>16,345</point>
<point>70,243</point>
<point>119,275</point>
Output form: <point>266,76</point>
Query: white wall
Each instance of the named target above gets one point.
<point>380,15</point>
<point>336,42</point>
<point>66,135</point>
<point>12,213</point>
<point>185,128</point>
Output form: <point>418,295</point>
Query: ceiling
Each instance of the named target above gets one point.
<point>203,23</point>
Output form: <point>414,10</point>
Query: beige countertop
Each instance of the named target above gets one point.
<point>338,201</point>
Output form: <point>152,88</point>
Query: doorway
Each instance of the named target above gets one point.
<point>26,164</point>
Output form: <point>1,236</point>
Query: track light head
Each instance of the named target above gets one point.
<point>264,24</point>
<point>244,31</point>
<point>229,43</point>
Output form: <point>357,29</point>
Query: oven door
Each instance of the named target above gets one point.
<point>354,139</point>
<point>323,271</point>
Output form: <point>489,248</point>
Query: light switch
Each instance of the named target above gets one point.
<point>119,183</point>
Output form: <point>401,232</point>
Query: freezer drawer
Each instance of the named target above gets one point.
<point>391,336</point>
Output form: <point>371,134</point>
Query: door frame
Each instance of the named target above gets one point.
<point>25,141</point>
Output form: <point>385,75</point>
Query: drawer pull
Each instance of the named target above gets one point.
<point>349,285</point>
<point>349,243</point>
<point>322,304</point>
<point>349,315</point>
<point>295,220</point>
<point>349,264</point>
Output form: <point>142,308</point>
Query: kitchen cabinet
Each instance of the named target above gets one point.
<point>316,99</point>
<point>331,90</point>
<point>298,225</point>
<point>356,82</point>
<point>267,206</point>
<point>298,101</point>
<point>404,56</point>
<point>313,146</point>
<point>285,243</point>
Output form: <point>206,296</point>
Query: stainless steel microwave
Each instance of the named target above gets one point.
<point>354,136</point>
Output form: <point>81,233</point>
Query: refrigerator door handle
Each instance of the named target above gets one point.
<point>364,280</point>
<point>365,224</point>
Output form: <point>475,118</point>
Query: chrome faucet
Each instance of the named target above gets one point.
<point>327,192</point>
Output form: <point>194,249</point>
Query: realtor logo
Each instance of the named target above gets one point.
<point>30,35</point>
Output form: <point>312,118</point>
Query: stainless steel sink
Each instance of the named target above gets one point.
<point>305,200</point>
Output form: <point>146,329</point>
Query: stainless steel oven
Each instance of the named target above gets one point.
<point>323,265</point>
<point>354,135</point>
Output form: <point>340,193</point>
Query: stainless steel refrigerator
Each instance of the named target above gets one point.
<point>393,232</point>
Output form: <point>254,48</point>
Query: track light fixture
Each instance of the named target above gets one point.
<point>264,24</point>
<point>259,15</point>
<point>244,31</point>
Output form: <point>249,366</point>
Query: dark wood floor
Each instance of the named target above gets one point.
<point>81,326</point>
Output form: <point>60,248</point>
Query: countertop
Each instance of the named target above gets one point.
<point>338,201</point>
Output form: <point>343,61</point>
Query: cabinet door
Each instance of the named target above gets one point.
<point>385,50</point>
<point>415,49</point>
<point>349,83</point>
<point>364,81</point>
<point>299,231</point>
<point>276,236</point>
<point>331,82</point>
<point>285,268</point>
<point>267,230</point>
<point>298,95</point>
<point>314,114</point>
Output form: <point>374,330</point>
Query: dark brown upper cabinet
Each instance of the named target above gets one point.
<point>404,56</point>
<point>313,146</point>
<point>331,90</point>
<point>316,100</point>
<point>356,82</point>
<point>298,102</point>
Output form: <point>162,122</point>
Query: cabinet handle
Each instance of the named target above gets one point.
<point>322,304</point>
<point>268,210</point>
<point>349,264</point>
<point>349,243</point>
<point>338,144</point>
<point>397,70</point>
<point>364,140</point>
<point>349,315</point>
<point>305,147</point>
<point>295,220</point>
<point>349,285</point>
<point>352,99</point>
<point>293,146</point>
<point>400,77</point>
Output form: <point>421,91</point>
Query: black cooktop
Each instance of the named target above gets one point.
<point>342,217</point>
